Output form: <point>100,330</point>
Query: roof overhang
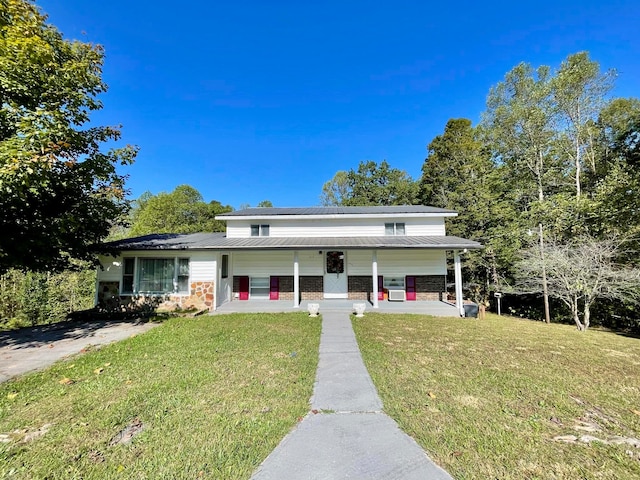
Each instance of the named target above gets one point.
<point>336,216</point>
<point>202,241</point>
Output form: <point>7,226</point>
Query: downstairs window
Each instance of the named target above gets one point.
<point>155,275</point>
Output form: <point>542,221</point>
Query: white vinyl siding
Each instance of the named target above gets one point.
<point>339,227</point>
<point>111,270</point>
<point>263,264</point>
<point>267,263</point>
<point>398,262</point>
<point>202,264</point>
<point>311,262</point>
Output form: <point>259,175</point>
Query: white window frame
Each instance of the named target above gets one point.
<point>394,282</point>
<point>262,284</point>
<point>176,276</point>
<point>262,230</point>
<point>395,229</point>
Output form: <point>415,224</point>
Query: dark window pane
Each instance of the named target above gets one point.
<point>127,284</point>
<point>335,262</point>
<point>388,229</point>
<point>129,264</point>
<point>225,266</point>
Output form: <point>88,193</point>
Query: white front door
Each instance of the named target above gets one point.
<point>335,274</point>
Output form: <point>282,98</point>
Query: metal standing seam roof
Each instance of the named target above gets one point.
<point>219,241</point>
<point>302,211</point>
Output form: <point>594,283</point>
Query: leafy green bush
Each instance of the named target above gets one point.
<point>33,298</point>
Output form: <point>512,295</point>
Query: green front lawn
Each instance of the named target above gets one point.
<point>214,396</point>
<point>488,399</point>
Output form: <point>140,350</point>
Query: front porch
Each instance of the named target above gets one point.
<point>436,308</point>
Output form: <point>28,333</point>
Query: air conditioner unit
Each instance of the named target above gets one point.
<point>396,296</point>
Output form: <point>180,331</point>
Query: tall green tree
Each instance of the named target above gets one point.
<point>371,184</point>
<point>459,174</point>
<point>579,90</point>
<point>615,183</point>
<point>60,191</point>
<point>181,211</point>
<point>519,125</point>
<point>336,190</point>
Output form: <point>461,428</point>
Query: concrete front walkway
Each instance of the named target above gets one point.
<point>350,436</point>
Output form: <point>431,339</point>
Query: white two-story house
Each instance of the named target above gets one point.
<point>395,253</point>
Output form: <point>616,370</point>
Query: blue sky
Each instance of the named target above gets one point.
<point>255,100</point>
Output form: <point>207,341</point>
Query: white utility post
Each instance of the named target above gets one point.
<point>296,280</point>
<point>374,273</point>
<point>458,278</point>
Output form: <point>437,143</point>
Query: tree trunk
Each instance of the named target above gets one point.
<point>578,190</point>
<point>545,287</point>
<point>587,314</point>
<point>576,315</point>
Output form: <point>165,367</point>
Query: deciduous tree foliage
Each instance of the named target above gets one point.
<point>459,174</point>
<point>554,160</point>
<point>181,211</point>
<point>60,192</point>
<point>580,272</point>
<point>370,184</point>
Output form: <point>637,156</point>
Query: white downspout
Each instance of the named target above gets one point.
<point>296,280</point>
<point>458,280</point>
<point>374,273</point>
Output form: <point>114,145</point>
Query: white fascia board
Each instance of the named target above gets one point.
<point>390,216</point>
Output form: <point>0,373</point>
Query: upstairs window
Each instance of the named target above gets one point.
<point>259,230</point>
<point>394,229</point>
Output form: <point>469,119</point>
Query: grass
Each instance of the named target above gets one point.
<point>215,396</point>
<point>486,399</point>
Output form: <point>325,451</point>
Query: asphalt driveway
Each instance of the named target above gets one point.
<point>36,348</point>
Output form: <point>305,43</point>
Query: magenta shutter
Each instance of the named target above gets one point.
<point>244,288</point>
<point>410,283</point>
<point>274,288</point>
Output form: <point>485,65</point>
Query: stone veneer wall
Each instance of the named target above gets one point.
<point>203,292</point>
<point>201,295</point>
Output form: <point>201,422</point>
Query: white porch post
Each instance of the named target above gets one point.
<point>458,278</point>
<point>374,273</point>
<point>296,280</point>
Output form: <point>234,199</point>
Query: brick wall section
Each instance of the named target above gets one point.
<point>285,285</point>
<point>430,287</point>
<point>311,288</point>
<point>360,288</point>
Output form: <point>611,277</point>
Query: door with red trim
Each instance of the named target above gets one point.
<point>380,287</point>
